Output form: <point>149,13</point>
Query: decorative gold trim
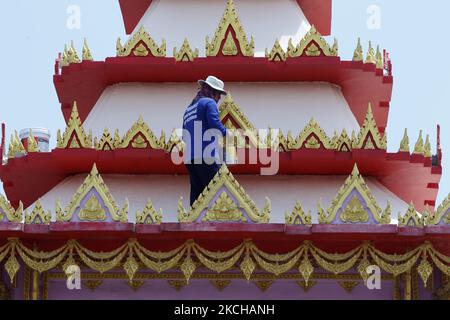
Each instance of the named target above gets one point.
<point>441,215</point>
<point>312,45</point>
<point>225,179</point>
<point>69,55</point>
<point>177,284</point>
<point>141,45</point>
<point>87,56</point>
<point>369,136</point>
<point>11,214</point>
<point>379,58</point>
<point>149,215</point>
<point>140,136</point>
<point>38,215</point>
<point>371,58</point>
<point>354,182</point>
<point>136,284</point>
<point>312,137</point>
<point>298,216</point>
<point>427,147</point>
<point>93,181</point>
<point>229,20</point>
<point>359,53</point>
<point>185,53</point>
<point>342,143</point>
<point>411,218</point>
<point>93,284</point>
<point>263,285</point>
<point>348,286</point>
<point>277,53</point>
<point>32,143</point>
<point>74,137</point>
<point>106,142</point>
<point>306,286</point>
<point>419,147</point>
<point>224,209</point>
<point>220,285</point>
<point>15,146</point>
<point>26,283</point>
<point>404,144</point>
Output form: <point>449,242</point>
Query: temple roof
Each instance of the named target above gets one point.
<point>318,12</point>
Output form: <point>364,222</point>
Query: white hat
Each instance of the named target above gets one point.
<point>214,83</point>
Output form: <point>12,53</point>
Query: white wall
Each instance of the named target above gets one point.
<point>166,190</point>
<point>279,105</point>
<point>266,20</point>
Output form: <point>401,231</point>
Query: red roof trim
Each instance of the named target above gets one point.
<point>318,12</point>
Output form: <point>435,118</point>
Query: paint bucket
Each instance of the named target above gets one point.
<point>41,135</point>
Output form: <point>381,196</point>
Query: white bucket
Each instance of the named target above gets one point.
<point>41,135</point>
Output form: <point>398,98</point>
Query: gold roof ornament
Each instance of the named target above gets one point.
<point>411,218</point>
<point>312,45</point>
<point>8,212</point>
<point>38,215</point>
<point>369,136</point>
<point>419,147</point>
<point>175,143</point>
<point>379,58</point>
<point>343,143</point>
<point>312,137</point>
<point>298,216</point>
<point>371,58</point>
<point>106,142</point>
<point>354,211</point>
<point>32,143</point>
<point>441,216</point>
<point>149,215</point>
<point>74,137</point>
<point>185,53</point>
<point>359,53</point>
<point>69,55</point>
<point>87,56</point>
<point>277,53</point>
<point>222,208</point>
<point>427,147</point>
<point>281,143</point>
<point>15,146</point>
<point>404,144</point>
<point>232,46</point>
<point>141,45</point>
<point>140,136</point>
<point>100,202</point>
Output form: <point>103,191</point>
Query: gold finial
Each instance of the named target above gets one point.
<point>427,147</point>
<point>19,146</point>
<point>312,45</point>
<point>404,144</point>
<point>379,58</point>
<point>87,56</point>
<point>32,143</point>
<point>140,44</point>
<point>185,53</point>
<point>371,55</point>
<point>277,53</point>
<point>359,54</point>
<point>369,136</point>
<point>419,147</point>
<point>74,136</point>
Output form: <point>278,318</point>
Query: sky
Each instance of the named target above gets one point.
<point>415,33</point>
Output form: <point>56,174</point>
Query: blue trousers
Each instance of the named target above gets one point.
<point>200,176</point>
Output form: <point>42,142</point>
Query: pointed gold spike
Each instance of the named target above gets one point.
<point>358,54</point>
<point>419,147</point>
<point>404,144</point>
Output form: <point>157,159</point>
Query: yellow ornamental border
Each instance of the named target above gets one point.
<point>247,256</point>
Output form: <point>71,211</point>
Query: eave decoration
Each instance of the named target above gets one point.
<point>312,137</point>
<point>38,215</point>
<point>32,145</point>
<point>16,147</point>
<point>313,45</point>
<point>354,203</point>
<point>149,215</point>
<point>107,142</point>
<point>69,55</point>
<point>230,38</point>
<point>140,136</point>
<point>87,55</point>
<point>185,53</point>
<point>411,218</point>
<point>298,216</point>
<point>277,53</point>
<point>369,136</point>
<point>141,45</point>
<point>92,202</point>
<point>404,144</point>
<point>224,200</point>
<point>441,216</point>
<point>74,137</point>
<point>7,212</point>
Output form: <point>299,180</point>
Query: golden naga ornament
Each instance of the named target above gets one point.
<point>404,144</point>
<point>100,202</point>
<point>224,209</point>
<point>298,216</point>
<point>312,45</point>
<point>224,179</point>
<point>411,218</point>
<point>354,211</point>
<point>149,215</point>
<point>369,136</point>
<point>277,53</point>
<point>371,58</point>
<point>419,146</point>
<point>312,137</point>
<point>16,147</point>
<point>32,143</point>
<point>69,55</point>
<point>231,45</point>
<point>38,215</point>
<point>140,136</point>
<point>141,45</point>
<point>185,53</point>
<point>74,137</point>
<point>7,211</point>
<point>441,216</point>
<point>358,55</point>
<point>87,56</point>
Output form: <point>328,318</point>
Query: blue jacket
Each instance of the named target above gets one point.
<point>200,116</point>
